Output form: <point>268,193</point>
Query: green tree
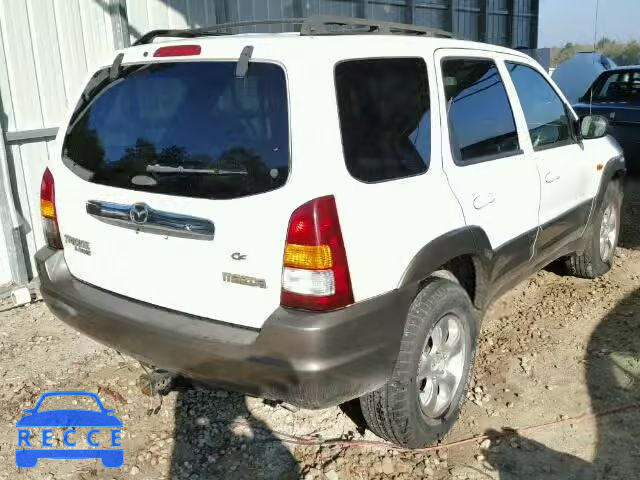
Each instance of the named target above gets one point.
<point>603,42</point>
<point>620,52</point>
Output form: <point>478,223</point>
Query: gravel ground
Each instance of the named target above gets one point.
<point>553,352</point>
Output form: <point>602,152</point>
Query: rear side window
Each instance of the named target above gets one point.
<point>620,87</point>
<point>385,117</point>
<point>481,122</point>
<point>545,112</point>
<point>188,129</point>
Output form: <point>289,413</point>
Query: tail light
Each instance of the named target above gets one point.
<point>48,211</point>
<point>315,274</point>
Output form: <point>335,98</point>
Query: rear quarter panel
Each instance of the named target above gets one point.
<point>386,224</point>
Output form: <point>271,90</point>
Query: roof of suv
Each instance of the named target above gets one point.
<point>317,33</point>
<point>314,45</point>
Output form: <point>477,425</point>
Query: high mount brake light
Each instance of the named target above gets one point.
<point>316,274</point>
<point>48,211</point>
<point>178,51</point>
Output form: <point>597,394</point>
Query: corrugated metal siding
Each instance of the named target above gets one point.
<point>486,20</point>
<point>467,19</point>
<point>435,14</point>
<point>5,270</point>
<point>45,49</point>
<point>524,24</point>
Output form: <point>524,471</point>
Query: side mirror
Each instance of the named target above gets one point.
<point>594,126</point>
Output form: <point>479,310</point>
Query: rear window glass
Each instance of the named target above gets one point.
<point>189,129</point>
<point>385,117</point>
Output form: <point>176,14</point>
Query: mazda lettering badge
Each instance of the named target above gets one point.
<point>139,213</point>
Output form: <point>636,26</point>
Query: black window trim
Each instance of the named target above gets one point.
<point>455,149</point>
<point>335,91</point>
<point>221,60</point>
<point>573,140</point>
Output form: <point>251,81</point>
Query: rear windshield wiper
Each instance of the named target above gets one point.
<point>206,171</point>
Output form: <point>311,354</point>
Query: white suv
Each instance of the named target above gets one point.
<point>320,216</point>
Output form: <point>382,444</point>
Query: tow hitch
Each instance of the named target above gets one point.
<point>157,382</point>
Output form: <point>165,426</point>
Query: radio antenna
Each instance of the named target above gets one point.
<point>595,26</point>
<point>595,51</point>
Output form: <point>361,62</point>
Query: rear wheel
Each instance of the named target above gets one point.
<point>601,238</point>
<point>422,400</point>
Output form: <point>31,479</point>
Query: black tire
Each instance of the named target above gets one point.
<point>590,264</point>
<point>394,412</point>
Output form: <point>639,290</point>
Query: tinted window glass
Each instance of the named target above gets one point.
<point>480,117</point>
<point>385,117</point>
<point>544,111</point>
<point>620,87</point>
<point>188,129</point>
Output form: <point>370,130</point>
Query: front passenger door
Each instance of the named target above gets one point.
<point>562,166</point>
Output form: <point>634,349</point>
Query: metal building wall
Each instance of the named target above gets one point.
<point>46,47</point>
<point>505,22</point>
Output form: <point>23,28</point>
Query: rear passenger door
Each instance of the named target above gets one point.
<point>564,171</point>
<point>494,180</point>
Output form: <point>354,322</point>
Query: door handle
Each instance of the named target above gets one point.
<point>551,177</point>
<point>484,200</point>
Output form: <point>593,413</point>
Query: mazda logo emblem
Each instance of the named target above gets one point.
<point>139,213</point>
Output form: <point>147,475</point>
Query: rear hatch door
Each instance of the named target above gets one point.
<point>171,187</point>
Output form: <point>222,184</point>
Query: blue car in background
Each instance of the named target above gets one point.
<point>69,418</point>
<point>615,94</point>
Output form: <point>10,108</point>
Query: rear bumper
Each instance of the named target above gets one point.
<point>312,360</point>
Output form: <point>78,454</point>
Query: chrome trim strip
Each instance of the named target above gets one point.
<point>163,223</point>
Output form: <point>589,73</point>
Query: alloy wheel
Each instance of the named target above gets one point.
<point>608,233</point>
<point>441,366</point>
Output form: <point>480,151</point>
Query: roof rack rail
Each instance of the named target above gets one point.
<point>315,25</point>
<point>321,25</point>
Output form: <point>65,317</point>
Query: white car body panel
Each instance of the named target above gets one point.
<point>384,225</point>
